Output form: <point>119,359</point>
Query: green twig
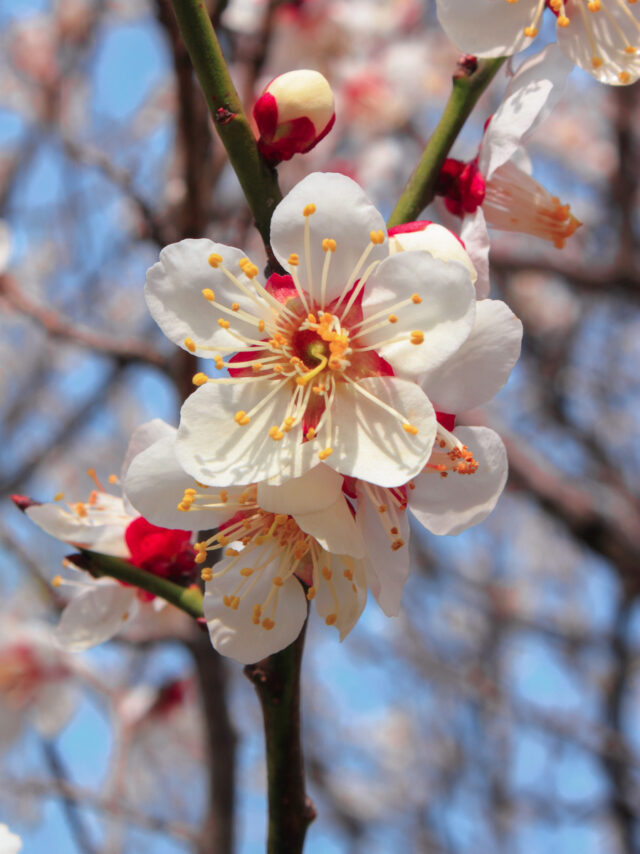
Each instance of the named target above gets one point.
<point>468,85</point>
<point>277,682</point>
<point>258,180</point>
<point>188,599</point>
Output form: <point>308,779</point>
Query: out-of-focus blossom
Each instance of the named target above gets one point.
<point>10,843</point>
<point>293,113</point>
<point>601,36</point>
<point>36,682</point>
<point>328,355</point>
<point>269,537</point>
<point>496,187</point>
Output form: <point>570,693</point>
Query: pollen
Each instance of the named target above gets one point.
<point>223,323</point>
<point>331,619</point>
<point>397,544</point>
<point>416,299</point>
<point>261,325</point>
<point>596,61</point>
<point>200,378</point>
<point>277,581</point>
<point>289,421</point>
<point>215,259</point>
<point>56,581</point>
<point>256,614</point>
<point>241,418</point>
<point>376,237</point>
<point>189,343</point>
<point>624,77</point>
<point>393,318</point>
<point>246,572</point>
<point>348,574</point>
<point>409,428</point>
<point>200,556</point>
<point>268,624</point>
<point>594,5</point>
<point>329,245</point>
<point>563,21</point>
<point>530,32</point>
<point>219,363</point>
<point>311,592</point>
<point>326,573</point>
<point>308,210</point>
<point>235,306</point>
<point>310,434</point>
<point>324,453</point>
<point>208,294</point>
<point>276,433</point>
<point>113,478</point>
<point>417,337</point>
<point>58,496</point>
<point>294,260</point>
<point>206,574</point>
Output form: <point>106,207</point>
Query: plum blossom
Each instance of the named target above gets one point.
<point>36,681</point>
<point>294,112</point>
<point>496,187</point>
<point>327,356</point>
<point>106,523</point>
<point>600,36</point>
<point>269,537</point>
<point>10,843</point>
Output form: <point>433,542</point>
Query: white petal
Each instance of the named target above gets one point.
<point>102,535</point>
<point>233,633</point>
<point>451,504</point>
<point>174,296</point>
<point>348,603</point>
<point>576,41</point>
<point>532,92</point>
<point>145,436</point>
<point>480,368</point>
<point>444,316</point>
<point>315,490</point>
<point>155,485</point>
<point>10,843</point>
<point>437,240</point>
<point>369,442</point>
<point>95,615</point>
<point>343,213</point>
<point>475,236</point>
<point>487,27</point>
<point>386,569</point>
<point>53,708</point>
<point>334,528</point>
<point>215,450</point>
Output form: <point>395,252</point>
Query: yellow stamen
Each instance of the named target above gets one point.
<point>207,293</point>
<point>215,259</point>
<point>200,378</point>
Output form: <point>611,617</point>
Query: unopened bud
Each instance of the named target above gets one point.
<point>294,112</point>
<point>433,238</point>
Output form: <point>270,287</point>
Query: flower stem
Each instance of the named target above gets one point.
<point>259,181</point>
<point>188,599</point>
<point>469,82</point>
<point>277,682</point>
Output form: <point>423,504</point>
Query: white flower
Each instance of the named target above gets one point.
<point>269,536</point>
<point>496,187</point>
<point>601,36</point>
<point>107,524</point>
<point>9,842</point>
<point>327,356</point>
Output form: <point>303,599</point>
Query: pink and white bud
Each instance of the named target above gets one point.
<point>294,112</point>
<point>433,238</point>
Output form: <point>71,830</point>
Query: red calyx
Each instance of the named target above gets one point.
<point>447,420</point>
<point>161,551</point>
<point>462,186</point>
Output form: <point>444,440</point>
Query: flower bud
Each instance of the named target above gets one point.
<point>293,114</point>
<point>433,238</point>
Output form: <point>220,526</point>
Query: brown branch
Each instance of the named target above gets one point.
<point>277,683</point>
<point>217,834</point>
<point>58,326</point>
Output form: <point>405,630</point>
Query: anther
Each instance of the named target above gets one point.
<point>409,428</point>
<point>310,434</point>
<point>276,433</point>
<point>331,619</point>
<point>268,624</point>
<point>393,318</point>
<point>326,573</point>
<point>246,572</point>
<point>206,574</point>
<point>416,299</point>
<point>294,259</point>
<point>56,581</point>
<point>241,418</point>
<point>277,581</point>
<point>376,237</point>
<point>189,343</point>
<point>261,325</point>
<point>329,245</point>
<point>309,210</point>
<point>223,323</point>
<point>207,293</point>
<point>215,259</point>
<point>200,378</point>
<point>417,337</point>
<point>58,496</point>
<point>311,592</point>
<point>324,453</point>
<point>397,544</point>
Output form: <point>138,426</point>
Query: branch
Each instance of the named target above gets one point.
<point>277,682</point>
<point>469,82</point>
<point>75,819</point>
<point>188,599</point>
<point>258,180</point>
<point>58,326</point>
